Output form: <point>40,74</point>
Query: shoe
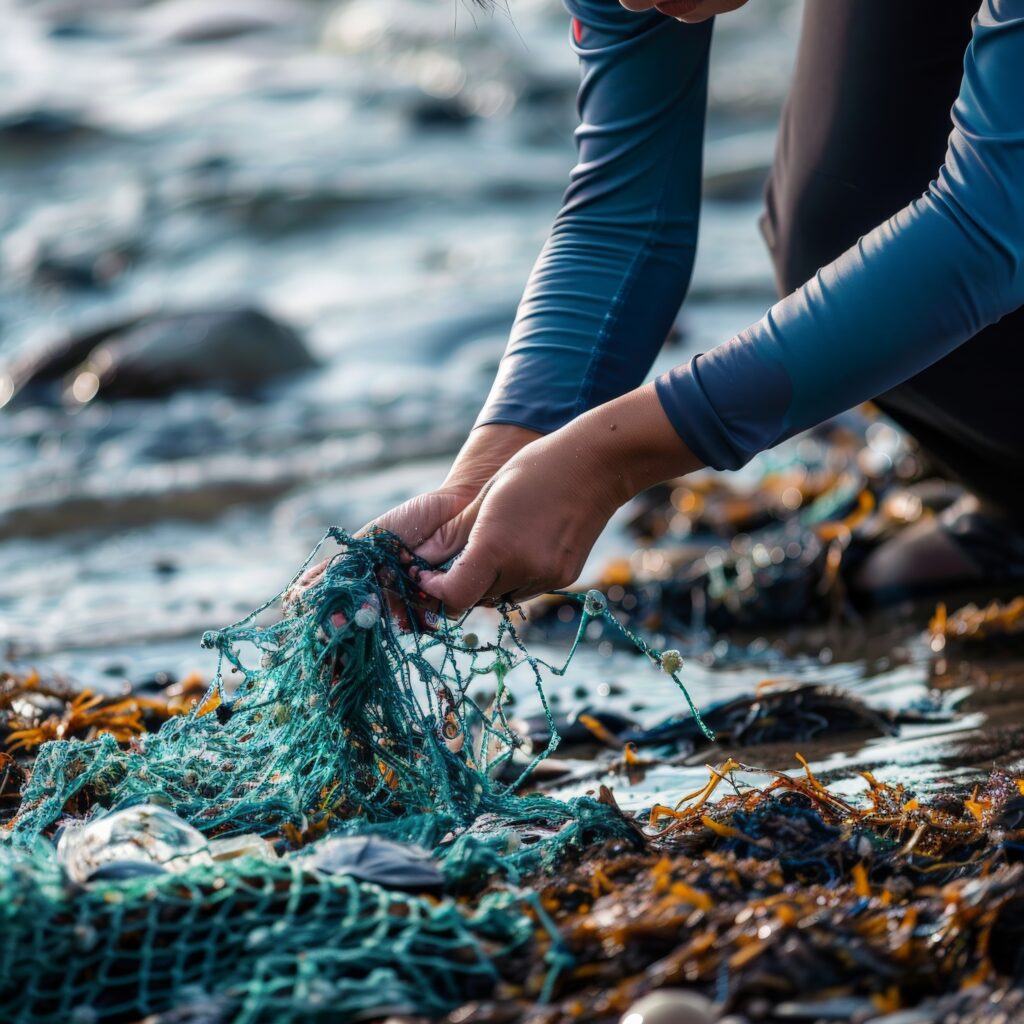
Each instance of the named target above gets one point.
<point>963,547</point>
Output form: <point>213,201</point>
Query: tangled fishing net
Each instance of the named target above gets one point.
<point>340,828</point>
<point>212,865</point>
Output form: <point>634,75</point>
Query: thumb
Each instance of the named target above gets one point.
<point>473,576</point>
<point>418,518</point>
<point>450,537</point>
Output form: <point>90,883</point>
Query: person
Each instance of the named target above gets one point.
<point>897,234</point>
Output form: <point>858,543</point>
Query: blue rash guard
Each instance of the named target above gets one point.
<point>606,289</point>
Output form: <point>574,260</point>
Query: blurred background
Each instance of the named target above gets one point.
<point>259,261</point>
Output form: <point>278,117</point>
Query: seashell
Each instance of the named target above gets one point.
<point>671,1006</point>
<point>671,661</point>
<point>453,734</point>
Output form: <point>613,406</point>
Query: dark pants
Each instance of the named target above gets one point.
<point>863,132</point>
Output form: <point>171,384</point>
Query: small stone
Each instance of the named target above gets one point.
<point>595,603</point>
<point>671,661</point>
<point>671,1006</point>
<point>471,640</point>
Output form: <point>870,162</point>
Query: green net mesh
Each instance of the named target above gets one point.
<point>338,724</point>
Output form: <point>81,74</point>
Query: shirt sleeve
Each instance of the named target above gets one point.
<point>607,287</point>
<point>919,285</point>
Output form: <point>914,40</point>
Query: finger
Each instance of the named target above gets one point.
<point>311,575</point>
<point>528,590</point>
<point>475,574</point>
<point>449,538</point>
<point>418,518</point>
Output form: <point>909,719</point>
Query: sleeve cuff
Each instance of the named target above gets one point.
<point>695,420</point>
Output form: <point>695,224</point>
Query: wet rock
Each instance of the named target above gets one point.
<point>587,726</point>
<point>154,684</point>
<point>234,350</point>
<point>439,112</point>
<point>671,1006</point>
<point>78,245</point>
<point>35,125</point>
<point>782,712</point>
<point>402,866</point>
<point>1011,817</point>
<point>198,21</point>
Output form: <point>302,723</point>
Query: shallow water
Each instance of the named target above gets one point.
<point>379,174</point>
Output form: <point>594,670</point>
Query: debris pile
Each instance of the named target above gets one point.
<point>354,830</point>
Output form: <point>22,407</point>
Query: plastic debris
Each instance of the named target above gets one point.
<point>145,837</point>
<point>404,866</point>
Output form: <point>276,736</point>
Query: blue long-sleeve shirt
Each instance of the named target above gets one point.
<point>605,290</point>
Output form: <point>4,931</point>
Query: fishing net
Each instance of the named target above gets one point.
<point>324,721</point>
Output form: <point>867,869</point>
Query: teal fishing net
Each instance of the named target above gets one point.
<point>232,888</point>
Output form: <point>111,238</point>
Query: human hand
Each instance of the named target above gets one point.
<point>486,450</point>
<point>690,11</point>
<point>530,529</point>
<point>424,516</point>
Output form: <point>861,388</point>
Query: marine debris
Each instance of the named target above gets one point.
<point>339,836</point>
<point>133,870</point>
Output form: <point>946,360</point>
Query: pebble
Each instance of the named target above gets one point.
<point>671,1006</point>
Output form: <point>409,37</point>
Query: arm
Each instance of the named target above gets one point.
<point>608,285</point>
<point>916,287</point>
<point>906,294</point>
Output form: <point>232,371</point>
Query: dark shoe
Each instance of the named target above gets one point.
<point>964,547</point>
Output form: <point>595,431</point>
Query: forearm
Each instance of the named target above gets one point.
<point>627,445</point>
<point>908,293</point>
<point>606,289</point>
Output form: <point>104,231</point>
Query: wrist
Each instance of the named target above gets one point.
<point>634,445</point>
<point>485,451</point>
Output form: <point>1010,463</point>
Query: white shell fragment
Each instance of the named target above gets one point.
<point>671,1006</point>
<point>233,847</point>
<point>671,661</point>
